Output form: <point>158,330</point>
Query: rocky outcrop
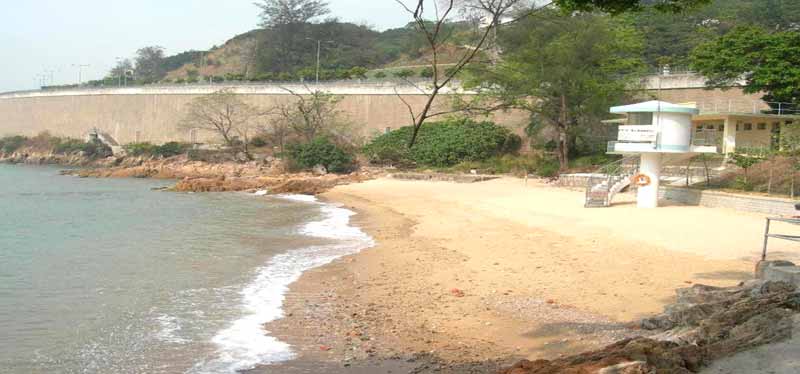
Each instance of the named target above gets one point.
<point>35,157</point>
<point>706,323</point>
<point>305,184</point>
<point>200,176</point>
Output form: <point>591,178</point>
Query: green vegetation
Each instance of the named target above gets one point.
<point>576,66</point>
<point>320,151</point>
<point>443,144</point>
<point>520,165</point>
<point>767,60</point>
<point>10,144</point>
<point>93,149</point>
<point>148,149</point>
<point>44,142</point>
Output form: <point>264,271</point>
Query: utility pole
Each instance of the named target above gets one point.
<point>319,50</point>
<point>121,72</point>
<point>80,72</point>
<point>49,74</point>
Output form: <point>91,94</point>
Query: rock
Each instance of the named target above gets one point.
<point>319,170</point>
<point>633,367</point>
<point>763,265</point>
<point>706,323</point>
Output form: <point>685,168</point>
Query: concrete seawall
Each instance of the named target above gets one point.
<point>152,113</point>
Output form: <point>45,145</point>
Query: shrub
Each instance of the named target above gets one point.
<point>443,144</point>
<point>426,72</point>
<point>9,144</point>
<point>168,149</point>
<point>519,165</point>
<point>380,75</point>
<point>89,149</point>
<point>405,73</point>
<point>320,151</point>
<point>140,149</point>
<point>259,141</point>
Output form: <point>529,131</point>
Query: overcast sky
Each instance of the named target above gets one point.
<point>38,36</point>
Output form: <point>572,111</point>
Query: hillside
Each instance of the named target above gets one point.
<point>348,49</point>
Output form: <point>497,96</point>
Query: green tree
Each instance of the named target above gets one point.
<point>150,64</point>
<point>745,162</point>
<point>575,66</point>
<point>404,73</point>
<point>358,72</point>
<point>285,12</point>
<point>620,6</point>
<point>767,61</point>
<point>121,68</point>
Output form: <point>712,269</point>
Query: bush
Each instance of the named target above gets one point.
<point>320,151</point>
<point>140,149</point>
<point>443,144</point>
<point>519,165</point>
<point>259,142</point>
<point>405,73</point>
<point>9,144</point>
<point>89,149</point>
<point>426,72</point>
<point>168,149</point>
<point>380,75</point>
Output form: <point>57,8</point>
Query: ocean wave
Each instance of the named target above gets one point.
<point>245,344</point>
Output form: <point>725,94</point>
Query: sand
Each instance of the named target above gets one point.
<point>486,273</point>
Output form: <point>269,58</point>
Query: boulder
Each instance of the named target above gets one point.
<point>706,323</point>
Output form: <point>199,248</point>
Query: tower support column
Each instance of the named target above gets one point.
<point>647,196</point>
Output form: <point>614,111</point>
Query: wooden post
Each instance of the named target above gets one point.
<point>766,237</point>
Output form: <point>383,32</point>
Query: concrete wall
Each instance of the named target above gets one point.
<point>715,199</point>
<point>153,114</point>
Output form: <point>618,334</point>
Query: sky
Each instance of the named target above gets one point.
<point>52,38</point>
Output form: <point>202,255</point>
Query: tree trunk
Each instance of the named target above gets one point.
<point>563,140</point>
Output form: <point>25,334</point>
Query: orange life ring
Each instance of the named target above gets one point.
<point>641,180</point>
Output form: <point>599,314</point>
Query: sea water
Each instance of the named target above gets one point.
<point>113,276</point>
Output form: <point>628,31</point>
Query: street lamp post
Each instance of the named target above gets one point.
<point>120,73</point>
<point>80,72</point>
<point>50,74</point>
<point>319,49</point>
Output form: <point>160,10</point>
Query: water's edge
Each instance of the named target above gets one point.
<point>245,344</point>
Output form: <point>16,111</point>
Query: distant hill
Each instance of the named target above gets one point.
<point>347,49</point>
<point>262,55</point>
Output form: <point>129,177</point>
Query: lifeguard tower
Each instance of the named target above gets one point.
<point>652,130</point>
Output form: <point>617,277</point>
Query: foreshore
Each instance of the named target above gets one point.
<point>472,277</point>
<point>476,276</point>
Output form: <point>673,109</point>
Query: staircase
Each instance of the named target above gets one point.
<point>612,179</point>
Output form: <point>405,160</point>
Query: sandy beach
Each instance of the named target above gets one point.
<point>482,274</point>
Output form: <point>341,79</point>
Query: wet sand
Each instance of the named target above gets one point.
<point>479,275</point>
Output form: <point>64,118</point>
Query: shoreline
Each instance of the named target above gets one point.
<point>474,277</point>
<point>427,297</point>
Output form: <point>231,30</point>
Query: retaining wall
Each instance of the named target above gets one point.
<point>715,199</point>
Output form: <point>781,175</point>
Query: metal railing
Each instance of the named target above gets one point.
<point>609,180</point>
<point>747,106</point>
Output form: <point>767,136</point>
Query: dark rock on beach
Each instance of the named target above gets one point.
<point>705,324</point>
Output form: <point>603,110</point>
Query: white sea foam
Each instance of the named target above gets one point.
<point>170,326</point>
<point>245,344</point>
<point>261,193</point>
